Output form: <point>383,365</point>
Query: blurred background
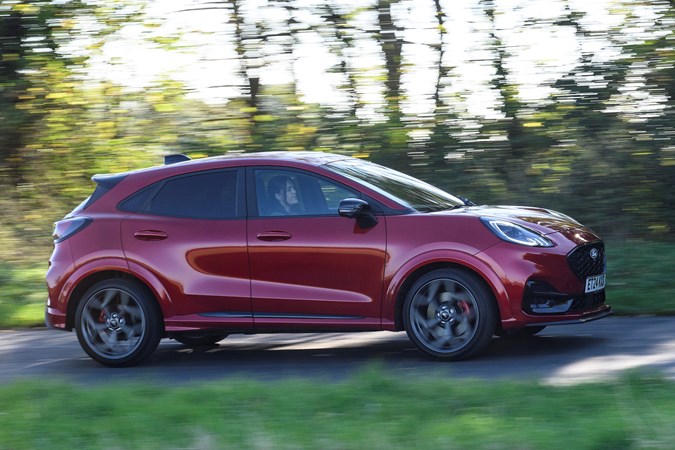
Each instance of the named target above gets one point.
<point>565,104</point>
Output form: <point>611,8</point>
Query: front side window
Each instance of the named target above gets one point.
<point>292,193</point>
<point>205,195</point>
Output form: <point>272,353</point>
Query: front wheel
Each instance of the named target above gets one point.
<point>118,323</point>
<point>450,314</point>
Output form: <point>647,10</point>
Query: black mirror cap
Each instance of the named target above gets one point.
<point>352,207</point>
<point>355,208</point>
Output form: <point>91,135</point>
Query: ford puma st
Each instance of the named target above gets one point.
<point>308,242</point>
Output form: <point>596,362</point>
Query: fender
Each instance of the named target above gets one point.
<point>467,260</point>
<point>115,264</point>
<point>83,271</point>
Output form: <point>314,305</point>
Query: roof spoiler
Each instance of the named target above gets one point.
<point>108,181</point>
<point>173,159</point>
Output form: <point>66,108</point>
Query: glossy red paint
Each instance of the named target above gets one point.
<point>244,271</point>
<point>309,275</point>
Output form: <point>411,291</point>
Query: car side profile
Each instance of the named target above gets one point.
<point>195,250</point>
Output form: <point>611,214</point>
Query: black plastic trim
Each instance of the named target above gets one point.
<point>228,315</point>
<point>104,183</point>
<point>305,316</point>
<point>176,158</point>
<point>246,315</point>
<point>583,319</point>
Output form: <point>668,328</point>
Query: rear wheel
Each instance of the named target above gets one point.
<point>118,323</point>
<point>450,314</point>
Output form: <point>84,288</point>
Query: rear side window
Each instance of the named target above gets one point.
<point>203,195</point>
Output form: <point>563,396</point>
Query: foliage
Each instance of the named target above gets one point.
<point>599,146</point>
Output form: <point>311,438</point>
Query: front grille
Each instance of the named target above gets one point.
<point>582,263</point>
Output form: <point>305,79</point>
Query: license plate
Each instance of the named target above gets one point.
<point>596,283</point>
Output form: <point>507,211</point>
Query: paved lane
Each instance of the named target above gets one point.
<point>559,355</point>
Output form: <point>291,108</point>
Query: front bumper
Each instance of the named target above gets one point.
<point>553,290</point>
<point>542,298</point>
<point>601,312</point>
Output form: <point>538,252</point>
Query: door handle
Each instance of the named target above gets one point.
<point>274,236</point>
<point>150,235</point>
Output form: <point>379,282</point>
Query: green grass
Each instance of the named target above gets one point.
<point>370,411</point>
<point>23,294</point>
<point>640,281</point>
<point>640,277</point>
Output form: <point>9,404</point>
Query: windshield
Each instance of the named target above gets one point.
<point>403,188</point>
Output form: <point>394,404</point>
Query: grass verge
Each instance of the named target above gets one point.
<point>22,295</point>
<point>370,411</point>
<point>639,282</point>
<point>640,277</point>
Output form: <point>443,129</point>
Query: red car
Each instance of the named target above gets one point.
<point>309,242</point>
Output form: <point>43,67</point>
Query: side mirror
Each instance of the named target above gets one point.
<point>355,208</point>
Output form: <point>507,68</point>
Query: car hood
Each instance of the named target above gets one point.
<point>545,221</point>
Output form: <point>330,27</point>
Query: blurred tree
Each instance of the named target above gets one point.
<point>28,62</point>
<point>652,162</point>
<point>600,146</point>
<point>392,44</point>
<point>394,135</point>
<point>44,158</point>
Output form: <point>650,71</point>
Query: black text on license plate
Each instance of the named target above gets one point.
<point>595,283</point>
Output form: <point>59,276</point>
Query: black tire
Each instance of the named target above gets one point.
<point>196,340</point>
<point>450,314</point>
<point>118,323</point>
<point>523,332</point>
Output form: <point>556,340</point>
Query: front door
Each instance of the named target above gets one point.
<point>311,268</point>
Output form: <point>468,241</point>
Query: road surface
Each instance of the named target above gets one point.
<point>559,355</point>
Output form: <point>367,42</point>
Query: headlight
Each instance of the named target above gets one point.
<point>516,234</point>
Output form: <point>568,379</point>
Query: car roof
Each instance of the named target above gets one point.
<point>308,157</point>
<point>314,158</point>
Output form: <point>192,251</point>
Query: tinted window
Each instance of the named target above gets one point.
<point>287,193</point>
<point>205,195</point>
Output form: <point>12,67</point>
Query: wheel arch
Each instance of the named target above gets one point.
<point>96,277</point>
<point>404,280</point>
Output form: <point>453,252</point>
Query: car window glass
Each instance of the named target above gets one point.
<point>207,195</point>
<point>403,188</point>
<point>291,193</point>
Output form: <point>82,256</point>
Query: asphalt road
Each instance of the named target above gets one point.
<point>558,355</point>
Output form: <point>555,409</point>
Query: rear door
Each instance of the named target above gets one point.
<point>190,232</point>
